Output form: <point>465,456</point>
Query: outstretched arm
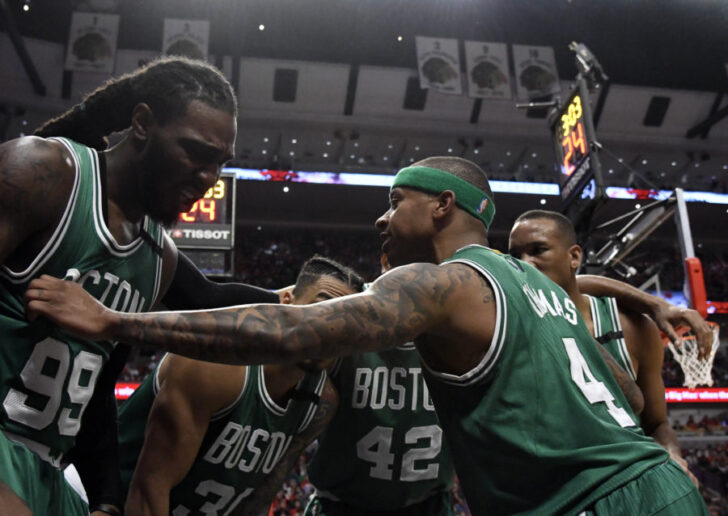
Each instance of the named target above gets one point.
<point>399,306</point>
<point>259,502</point>
<point>666,316</point>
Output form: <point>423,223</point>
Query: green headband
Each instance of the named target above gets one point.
<point>432,180</point>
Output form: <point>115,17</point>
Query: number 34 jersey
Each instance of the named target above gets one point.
<point>47,377</point>
<point>384,449</point>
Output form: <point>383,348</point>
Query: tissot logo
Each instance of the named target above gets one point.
<point>202,234</point>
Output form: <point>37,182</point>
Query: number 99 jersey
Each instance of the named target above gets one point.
<point>48,377</point>
<point>384,449</point>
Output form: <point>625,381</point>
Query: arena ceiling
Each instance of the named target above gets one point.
<point>353,74</point>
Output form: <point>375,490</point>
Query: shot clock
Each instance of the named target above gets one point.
<point>210,222</point>
<point>577,160</point>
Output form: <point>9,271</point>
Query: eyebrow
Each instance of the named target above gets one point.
<point>207,147</point>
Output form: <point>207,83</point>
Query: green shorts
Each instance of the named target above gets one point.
<point>40,485</point>
<point>664,490</point>
<point>440,504</point>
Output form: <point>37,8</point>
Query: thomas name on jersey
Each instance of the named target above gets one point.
<point>397,388</point>
<point>248,449</point>
<point>541,306</point>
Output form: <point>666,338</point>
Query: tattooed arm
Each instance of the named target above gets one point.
<point>36,178</point>
<point>399,306</point>
<point>259,502</point>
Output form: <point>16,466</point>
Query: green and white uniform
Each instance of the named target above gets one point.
<point>384,449</point>
<point>608,331</point>
<point>539,426</point>
<point>46,376</point>
<point>242,445</point>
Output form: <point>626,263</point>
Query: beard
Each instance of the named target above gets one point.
<point>156,194</point>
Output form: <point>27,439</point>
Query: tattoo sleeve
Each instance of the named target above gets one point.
<point>399,306</point>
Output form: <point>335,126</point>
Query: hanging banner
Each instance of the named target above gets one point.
<point>487,65</point>
<point>92,42</point>
<point>186,38</point>
<point>438,63</point>
<point>536,73</point>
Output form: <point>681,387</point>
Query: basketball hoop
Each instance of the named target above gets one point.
<point>697,372</point>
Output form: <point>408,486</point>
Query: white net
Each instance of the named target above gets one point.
<point>697,372</point>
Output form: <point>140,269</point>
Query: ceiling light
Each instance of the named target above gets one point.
<point>637,206</point>
<point>534,155</point>
<point>390,146</point>
<point>261,27</point>
<point>326,154</point>
<point>294,141</point>
<point>611,171</point>
<point>265,140</point>
<point>26,7</point>
<point>644,162</point>
<point>674,163</point>
<point>399,38</point>
<point>328,142</point>
<point>417,147</point>
<point>291,153</point>
<point>476,151</point>
<point>352,156</point>
<point>543,201</point>
<point>286,189</point>
<point>449,149</point>
<point>356,144</point>
<point>385,158</point>
<point>264,151</point>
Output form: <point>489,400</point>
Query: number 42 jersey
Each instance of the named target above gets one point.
<point>384,449</point>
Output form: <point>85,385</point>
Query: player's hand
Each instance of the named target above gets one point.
<point>684,465</point>
<point>668,317</point>
<point>68,305</point>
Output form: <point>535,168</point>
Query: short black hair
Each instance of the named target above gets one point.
<point>564,226</point>
<point>459,167</point>
<point>319,266</point>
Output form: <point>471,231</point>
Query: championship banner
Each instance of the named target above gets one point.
<point>536,73</point>
<point>92,42</point>
<point>438,63</point>
<point>487,66</point>
<point>186,38</point>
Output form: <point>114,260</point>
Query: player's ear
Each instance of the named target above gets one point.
<point>141,119</point>
<point>575,255</point>
<point>287,298</point>
<point>445,204</point>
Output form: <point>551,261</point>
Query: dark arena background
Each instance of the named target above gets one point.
<point>597,109</point>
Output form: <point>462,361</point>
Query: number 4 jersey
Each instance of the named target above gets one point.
<point>539,426</point>
<point>46,376</point>
<point>384,449</point>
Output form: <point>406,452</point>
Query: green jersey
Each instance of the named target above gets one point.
<point>608,331</point>
<point>47,377</point>
<point>539,426</point>
<point>242,445</point>
<point>384,438</point>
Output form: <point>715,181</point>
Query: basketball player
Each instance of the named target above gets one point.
<point>533,418</point>
<point>213,434</point>
<point>384,439</point>
<point>95,217</point>
<point>547,240</point>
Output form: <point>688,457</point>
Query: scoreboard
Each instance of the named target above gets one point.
<point>577,160</point>
<point>206,233</point>
<point>210,223</point>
